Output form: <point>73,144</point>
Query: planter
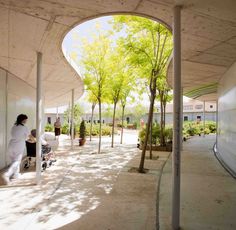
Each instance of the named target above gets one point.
<point>82,141</point>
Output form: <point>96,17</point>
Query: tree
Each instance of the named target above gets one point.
<point>93,100</point>
<point>149,45</point>
<point>95,71</point>
<point>120,78</point>
<point>78,111</point>
<point>126,90</point>
<point>164,97</point>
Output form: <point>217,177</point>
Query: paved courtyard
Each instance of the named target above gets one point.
<point>84,190</point>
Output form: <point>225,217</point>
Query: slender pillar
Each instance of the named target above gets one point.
<point>72,118</point>
<point>39,103</point>
<point>69,118</point>
<point>204,117</point>
<point>177,129</point>
<point>217,119</point>
<point>182,118</point>
<point>57,112</point>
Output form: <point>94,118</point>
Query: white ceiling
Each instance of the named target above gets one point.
<point>27,26</point>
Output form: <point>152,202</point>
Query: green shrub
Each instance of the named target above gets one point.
<point>65,128</point>
<point>156,134</point>
<point>49,128</point>
<point>211,125</point>
<point>106,130</point>
<point>82,130</point>
<point>196,128</point>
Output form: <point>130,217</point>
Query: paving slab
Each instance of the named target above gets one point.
<point>208,192</point>
<point>87,191</point>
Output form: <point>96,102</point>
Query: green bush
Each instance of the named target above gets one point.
<point>65,128</point>
<point>49,128</point>
<point>82,130</point>
<point>106,130</point>
<point>211,125</point>
<point>156,134</point>
<point>194,128</point>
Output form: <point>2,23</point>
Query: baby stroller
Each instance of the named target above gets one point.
<point>31,152</point>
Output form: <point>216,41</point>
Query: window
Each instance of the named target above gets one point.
<point>49,120</point>
<point>185,118</point>
<point>188,107</point>
<point>198,106</point>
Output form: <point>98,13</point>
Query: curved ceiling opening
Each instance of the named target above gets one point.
<point>112,30</point>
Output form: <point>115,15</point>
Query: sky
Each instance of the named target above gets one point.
<point>72,41</point>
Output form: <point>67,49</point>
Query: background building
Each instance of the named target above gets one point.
<point>192,111</point>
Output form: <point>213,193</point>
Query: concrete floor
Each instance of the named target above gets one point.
<point>86,191</point>
<point>208,192</point>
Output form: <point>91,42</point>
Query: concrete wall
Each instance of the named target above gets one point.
<point>226,138</point>
<point>16,97</point>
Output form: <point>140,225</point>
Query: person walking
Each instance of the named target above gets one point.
<point>16,147</point>
<point>57,127</point>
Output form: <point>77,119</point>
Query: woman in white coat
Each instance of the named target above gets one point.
<point>16,146</point>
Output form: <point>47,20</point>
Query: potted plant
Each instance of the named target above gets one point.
<point>82,133</point>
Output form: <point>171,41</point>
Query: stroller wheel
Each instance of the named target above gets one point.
<point>44,165</point>
<point>26,164</point>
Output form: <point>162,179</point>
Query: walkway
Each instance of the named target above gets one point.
<point>87,191</point>
<point>208,192</point>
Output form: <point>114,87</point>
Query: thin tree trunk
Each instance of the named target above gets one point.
<point>113,125</point>
<point>151,136</point>
<point>141,165</point>
<point>100,125</point>
<point>122,124</point>
<point>91,124</point>
<point>162,142</point>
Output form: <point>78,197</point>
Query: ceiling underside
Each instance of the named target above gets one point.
<point>28,26</point>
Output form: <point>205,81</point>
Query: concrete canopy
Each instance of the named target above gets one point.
<point>27,26</point>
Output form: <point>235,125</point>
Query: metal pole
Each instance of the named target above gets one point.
<point>177,130</point>
<point>204,118</point>
<point>39,102</point>
<point>72,118</point>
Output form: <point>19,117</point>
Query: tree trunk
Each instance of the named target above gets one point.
<point>113,125</point>
<point>141,165</point>
<point>100,125</point>
<point>164,115</point>
<point>151,136</point>
<point>122,124</point>
<point>91,124</point>
<point>162,138</point>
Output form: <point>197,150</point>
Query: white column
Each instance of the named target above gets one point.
<point>177,129</point>
<point>72,118</point>
<point>182,118</point>
<point>217,118</point>
<point>57,111</point>
<point>39,102</point>
<point>69,118</point>
<point>204,117</point>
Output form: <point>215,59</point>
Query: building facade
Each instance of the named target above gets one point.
<point>192,111</point>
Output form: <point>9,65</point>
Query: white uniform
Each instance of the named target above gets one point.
<point>16,148</point>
